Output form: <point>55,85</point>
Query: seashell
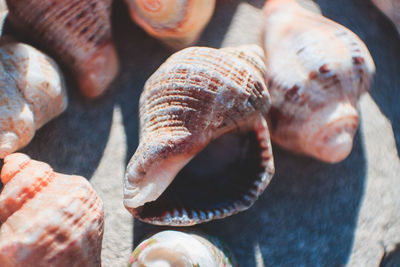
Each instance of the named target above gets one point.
<point>47,218</point>
<point>198,95</point>
<point>316,72</point>
<point>174,248</point>
<point>77,33</point>
<point>391,8</point>
<point>32,92</point>
<point>177,23</point>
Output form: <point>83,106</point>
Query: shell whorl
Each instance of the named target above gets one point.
<point>316,72</point>
<point>178,23</point>
<point>174,248</point>
<point>47,218</point>
<point>32,92</point>
<point>197,95</point>
<point>77,33</point>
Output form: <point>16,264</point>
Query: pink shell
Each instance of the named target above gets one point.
<point>316,72</point>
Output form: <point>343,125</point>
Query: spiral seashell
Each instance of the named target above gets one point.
<point>391,8</point>
<point>32,92</point>
<point>198,95</point>
<point>316,72</point>
<point>47,218</point>
<point>177,23</point>
<point>174,248</point>
<point>77,33</point>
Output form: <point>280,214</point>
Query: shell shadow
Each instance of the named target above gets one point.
<point>74,142</point>
<point>307,215</point>
<point>377,32</point>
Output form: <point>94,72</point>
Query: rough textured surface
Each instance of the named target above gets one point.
<point>311,214</point>
<point>48,218</point>
<point>198,95</point>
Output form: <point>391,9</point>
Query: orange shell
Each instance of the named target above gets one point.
<point>178,23</point>
<point>47,218</point>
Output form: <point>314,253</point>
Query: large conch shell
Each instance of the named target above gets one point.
<point>196,96</point>
<point>391,8</point>
<point>32,92</point>
<point>77,33</point>
<point>178,23</point>
<point>316,72</point>
<point>47,218</point>
<point>174,248</point>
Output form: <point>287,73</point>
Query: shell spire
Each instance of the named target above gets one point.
<point>316,72</point>
<point>177,23</point>
<point>32,92</point>
<point>47,218</point>
<point>198,95</point>
<point>77,33</point>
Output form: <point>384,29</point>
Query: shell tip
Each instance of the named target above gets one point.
<point>100,71</point>
<point>12,164</point>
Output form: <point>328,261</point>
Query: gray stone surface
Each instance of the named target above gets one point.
<point>312,214</point>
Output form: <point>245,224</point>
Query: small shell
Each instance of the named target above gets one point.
<point>196,96</point>
<point>77,33</point>
<point>173,248</point>
<point>178,23</point>
<point>32,92</point>
<point>316,72</point>
<point>47,218</point>
<point>391,8</point>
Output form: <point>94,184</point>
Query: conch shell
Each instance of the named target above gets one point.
<point>77,33</point>
<point>316,72</point>
<point>391,8</point>
<point>177,23</point>
<point>174,248</point>
<point>196,96</point>
<point>32,92</point>
<point>47,218</point>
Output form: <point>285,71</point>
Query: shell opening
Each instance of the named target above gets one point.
<point>225,178</point>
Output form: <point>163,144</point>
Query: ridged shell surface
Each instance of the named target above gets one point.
<point>77,33</point>
<point>196,96</point>
<point>32,92</point>
<point>391,8</point>
<point>173,248</point>
<point>316,72</point>
<point>178,23</point>
<point>47,218</point>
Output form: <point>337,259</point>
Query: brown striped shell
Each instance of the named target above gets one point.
<point>316,72</point>
<point>198,95</point>
<point>178,23</point>
<point>32,92</point>
<point>77,33</point>
<point>391,8</point>
<point>47,218</point>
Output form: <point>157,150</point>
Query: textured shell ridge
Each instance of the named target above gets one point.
<point>196,96</point>
<point>65,216</point>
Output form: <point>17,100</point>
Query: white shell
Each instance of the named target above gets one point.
<point>32,92</point>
